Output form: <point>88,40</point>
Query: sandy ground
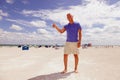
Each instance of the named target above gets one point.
<point>47,63</point>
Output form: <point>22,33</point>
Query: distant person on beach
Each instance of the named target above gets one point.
<point>73,42</point>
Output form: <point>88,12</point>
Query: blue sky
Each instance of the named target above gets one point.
<point>29,21</point>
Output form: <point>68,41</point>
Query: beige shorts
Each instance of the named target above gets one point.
<point>71,48</point>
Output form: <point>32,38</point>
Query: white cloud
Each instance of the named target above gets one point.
<point>27,38</point>
<point>42,31</point>
<point>53,15</point>
<point>1,30</point>
<point>22,22</point>
<point>16,27</point>
<point>0,17</point>
<point>10,1</point>
<point>34,23</point>
<point>2,14</point>
<point>38,23</point>
<point>25,1</point>
<point>37,13</point>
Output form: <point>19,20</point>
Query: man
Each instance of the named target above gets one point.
<point>73,42</point>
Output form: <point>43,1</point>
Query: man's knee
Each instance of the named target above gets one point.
<point>75,55</point>
<point>66,55</point>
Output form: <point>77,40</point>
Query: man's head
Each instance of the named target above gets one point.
<point>70,18</point>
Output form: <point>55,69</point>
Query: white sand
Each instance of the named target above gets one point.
<point>47,63</point>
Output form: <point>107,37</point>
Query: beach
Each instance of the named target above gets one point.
<point>46,64</point>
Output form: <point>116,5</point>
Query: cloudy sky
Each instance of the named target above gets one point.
<point>30,21</point>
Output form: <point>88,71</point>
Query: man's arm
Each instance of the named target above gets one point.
<point>79,37</point>
<point>58,29</point>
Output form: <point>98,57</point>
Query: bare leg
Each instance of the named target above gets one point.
<point>76,62</point>
<point>65,63</point>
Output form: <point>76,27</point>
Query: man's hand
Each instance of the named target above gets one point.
<point>58,29</point>
<point>54,25</point>
<point>78,44</point>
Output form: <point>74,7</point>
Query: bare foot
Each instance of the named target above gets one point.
<point>63,71</point>
<point>75,71</point>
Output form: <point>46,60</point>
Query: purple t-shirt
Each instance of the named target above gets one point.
<point>72,32</point>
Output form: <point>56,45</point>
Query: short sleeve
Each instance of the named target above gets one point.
<point>79,26</point>
<point>65,26</point>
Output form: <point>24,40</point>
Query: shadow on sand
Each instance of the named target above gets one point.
<point>53,76</point>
